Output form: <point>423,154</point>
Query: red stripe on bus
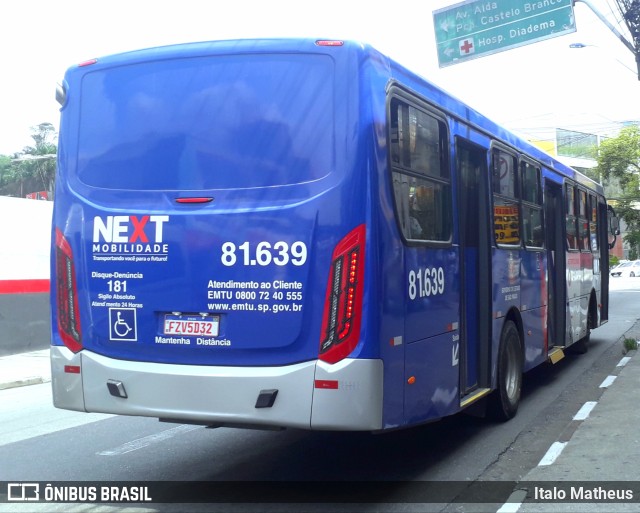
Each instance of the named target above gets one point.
<point>23,286</point>
<point>330,384</point>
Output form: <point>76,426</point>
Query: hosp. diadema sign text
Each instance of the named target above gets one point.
<point>478,28</point>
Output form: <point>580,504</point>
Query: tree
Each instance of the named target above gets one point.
<point>36,164</point>
<point>619,160</point>
<point>5,169</point>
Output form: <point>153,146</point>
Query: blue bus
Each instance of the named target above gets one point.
<point>304,233</point>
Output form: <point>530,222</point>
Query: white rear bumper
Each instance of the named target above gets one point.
<point>224,395</point>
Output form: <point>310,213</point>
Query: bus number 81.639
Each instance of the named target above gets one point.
<point>264,253</point>
<point>426,282</point>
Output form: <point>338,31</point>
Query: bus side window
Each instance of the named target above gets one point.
<point>583,221</point>
<point>420,175</point>
<point>532,225</point>
<point>506,212</point>
<point>571,218</point>
<point>425,210</point>
<point>593,222</point>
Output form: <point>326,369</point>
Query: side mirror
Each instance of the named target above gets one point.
<point>61,94</point>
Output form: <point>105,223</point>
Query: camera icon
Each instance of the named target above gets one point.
<point>23,492</point>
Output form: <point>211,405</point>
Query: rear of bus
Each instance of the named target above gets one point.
<point>210,238</point>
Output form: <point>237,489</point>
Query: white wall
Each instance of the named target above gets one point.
<point>25,238</point>
<point>25,241</point>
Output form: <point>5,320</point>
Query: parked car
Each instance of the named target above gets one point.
<point>627,270</point>
<point>614,267</point>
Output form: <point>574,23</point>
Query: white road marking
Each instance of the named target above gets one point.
<point>146,441</point>
<point>513,504</point>
<point>608,381</point>
<point>624,361</point>
<point>584,412</point>
<point>552,454</point>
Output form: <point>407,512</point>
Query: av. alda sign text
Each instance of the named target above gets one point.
<point>477,28</point>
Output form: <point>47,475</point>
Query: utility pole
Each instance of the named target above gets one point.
<point>630,10</point>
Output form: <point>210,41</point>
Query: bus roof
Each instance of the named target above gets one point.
<point>419,84</point>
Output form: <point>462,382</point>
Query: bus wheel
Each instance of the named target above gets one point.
<point>506,398</point>
<point>581,346</point>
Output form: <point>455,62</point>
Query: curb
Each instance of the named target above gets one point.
<point>35,380</point>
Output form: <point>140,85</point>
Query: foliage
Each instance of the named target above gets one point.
<point>34,168</point>
<point>5,170</point>
<point>619,157</point>
<point>45,170</point>
<point>619,161</point>
<point>630,344</point>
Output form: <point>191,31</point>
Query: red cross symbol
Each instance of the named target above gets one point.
<point>466,47</point>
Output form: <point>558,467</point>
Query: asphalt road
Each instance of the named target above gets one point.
<point>40,443</point>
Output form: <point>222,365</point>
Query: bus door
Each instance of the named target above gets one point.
<point>554,215</point>
<point>475,268</point>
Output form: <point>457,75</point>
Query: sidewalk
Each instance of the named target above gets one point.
<point>21,369</point>
<point>598,452</point>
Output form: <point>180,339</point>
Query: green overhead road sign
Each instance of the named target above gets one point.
<point>477,28</point>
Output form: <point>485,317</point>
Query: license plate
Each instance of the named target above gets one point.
<point>192,325</point>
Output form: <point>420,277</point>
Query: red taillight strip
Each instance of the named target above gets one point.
<point>194,200</point>
<point>327,384</point>
<point>329,42</point>
<point>343,302</point>
<point>87,63</point>
<point>68,311</point>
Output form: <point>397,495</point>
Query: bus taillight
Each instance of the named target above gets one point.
<point>343,301</point>
<point>329,42</point>
<point>67,295</point>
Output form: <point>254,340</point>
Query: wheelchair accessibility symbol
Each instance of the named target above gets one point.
<point>122,324</point>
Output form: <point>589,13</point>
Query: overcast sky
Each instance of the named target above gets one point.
<point>541,84</point>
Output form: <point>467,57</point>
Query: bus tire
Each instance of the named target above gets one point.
<point>505,399</point>
<point>582,345</point>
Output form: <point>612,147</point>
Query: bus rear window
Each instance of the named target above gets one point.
<point>207,123</point>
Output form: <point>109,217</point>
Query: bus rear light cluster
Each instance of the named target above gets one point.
<point>350,293</point>
<point>329,42</point>
<point>343,301</point>
<point>68,315</point>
